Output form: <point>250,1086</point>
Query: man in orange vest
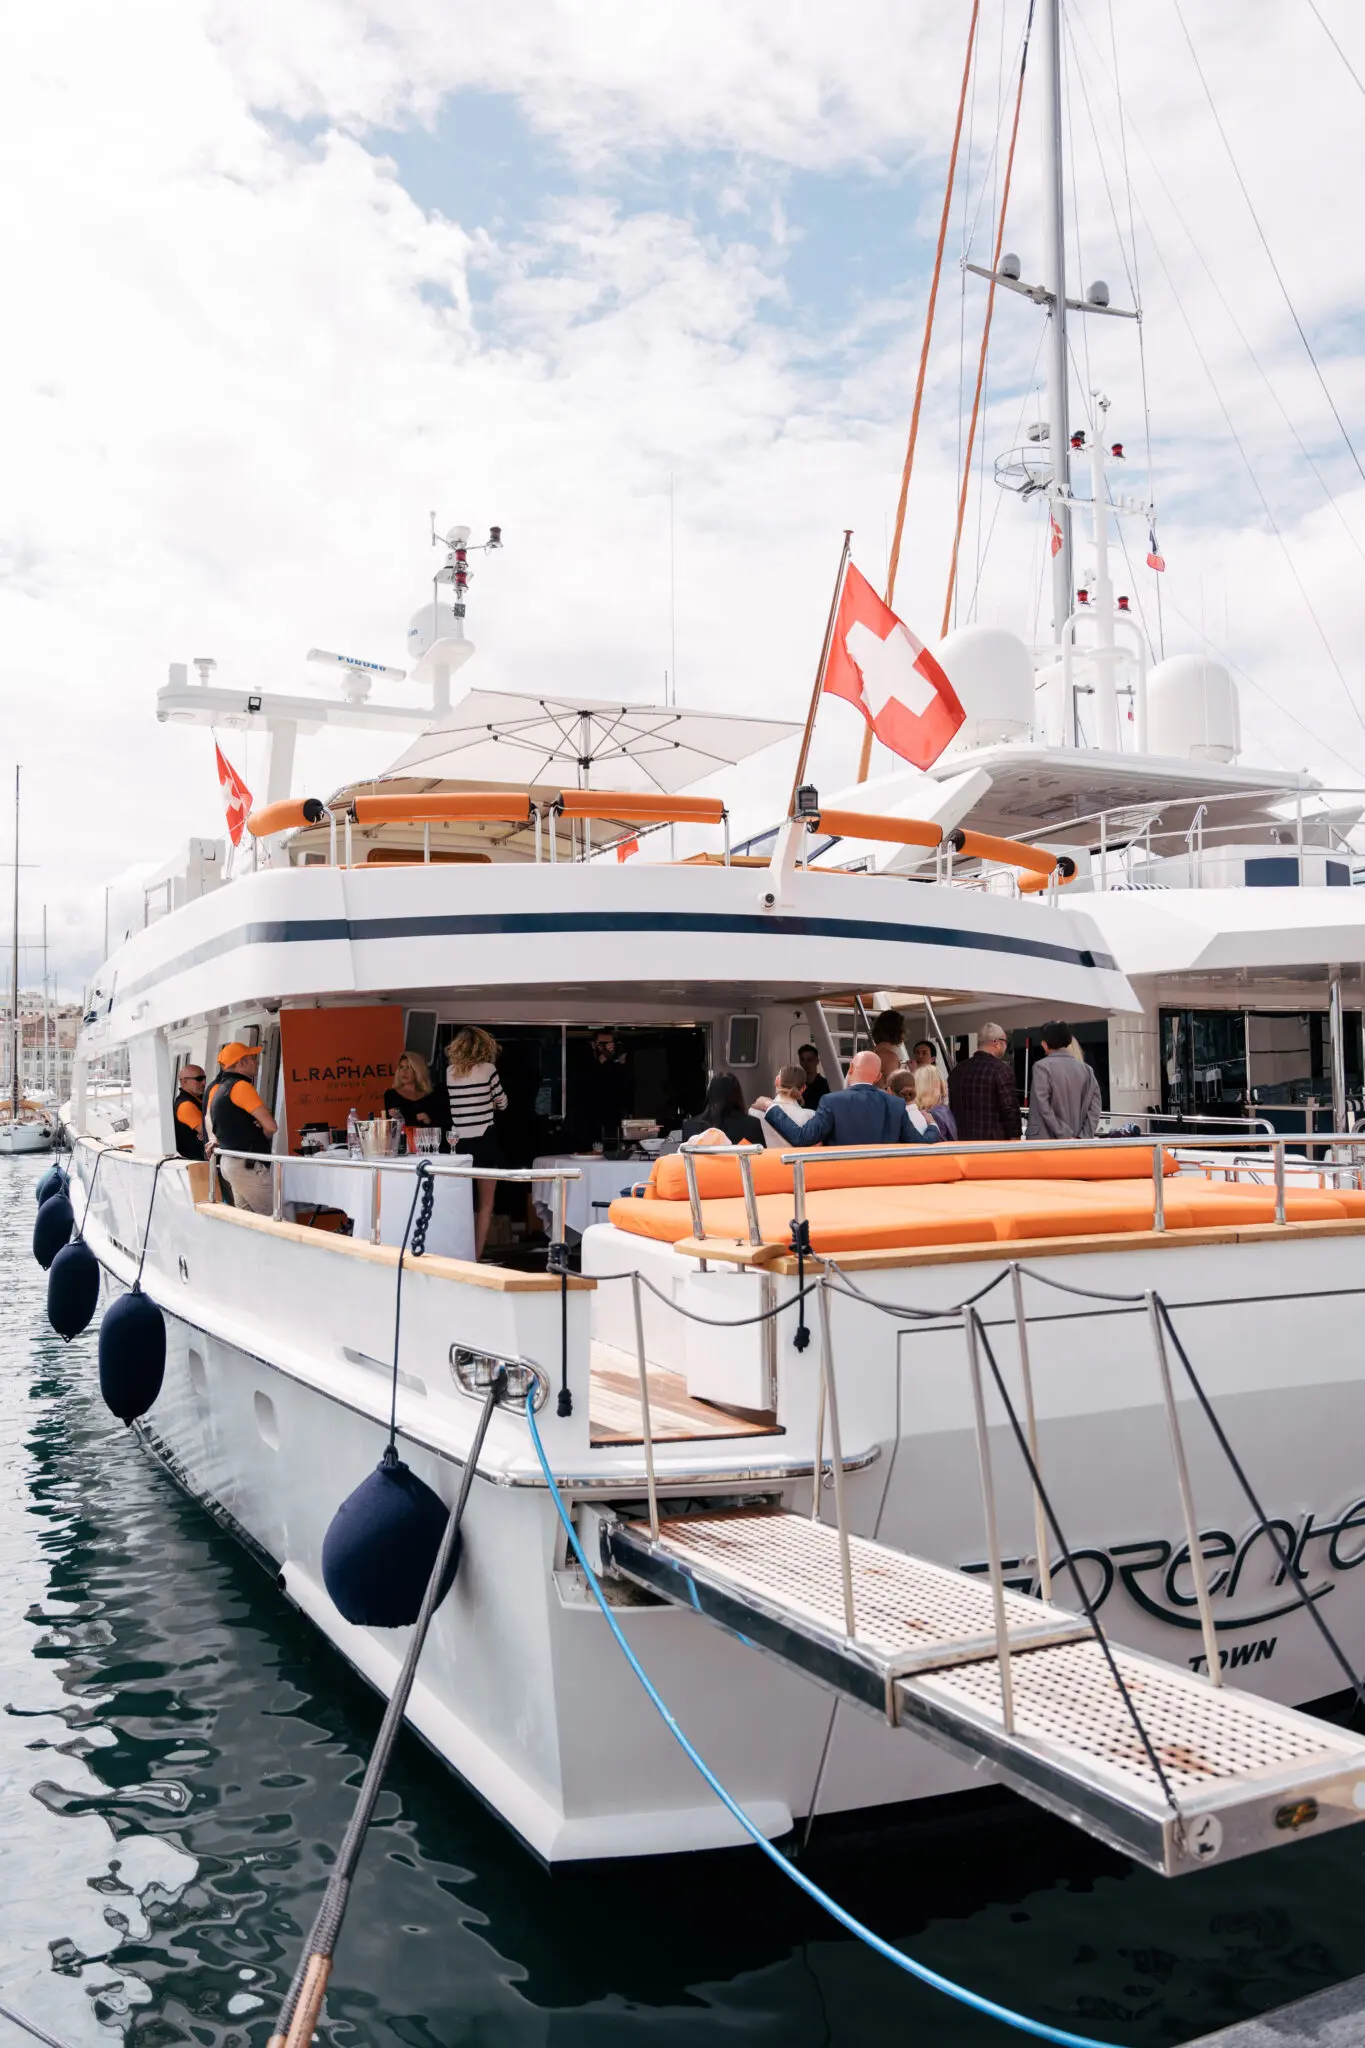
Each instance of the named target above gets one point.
<point>189,1113</point>
<point>240,1122</point>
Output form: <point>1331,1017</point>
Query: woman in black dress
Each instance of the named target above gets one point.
<point>415,1098</point>
<point>723,1110</point>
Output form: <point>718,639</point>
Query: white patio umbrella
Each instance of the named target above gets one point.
<point>523,742</point>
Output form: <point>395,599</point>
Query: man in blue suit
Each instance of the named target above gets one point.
<point>861,1114</point>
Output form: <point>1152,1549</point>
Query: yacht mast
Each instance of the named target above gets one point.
<point>14,967</point>
<point>1054,283</point>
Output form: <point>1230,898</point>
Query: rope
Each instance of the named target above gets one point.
<point>1286,1561</point>
<point>1355,75</point>
<point>1069,1561</point>
<point>147,1227</point>
<point>303,2001</point>
<point>1039,2029</point>
<point>986,331</point>
<point>421,1187</point>
<point>893,562</point>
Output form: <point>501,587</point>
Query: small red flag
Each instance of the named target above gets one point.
<point>1155,558</point>
<point>236,796</point>
<point>1056,534</point>
<point>626,847</point>
<point>876,662</point>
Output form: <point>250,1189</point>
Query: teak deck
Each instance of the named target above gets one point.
<point>614,1415</point>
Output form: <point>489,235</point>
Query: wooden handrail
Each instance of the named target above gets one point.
<point>467,806</point>
<point>1011,853</point>
<point>872,825</point>
<point>287,815</point>
<point>635,807</point>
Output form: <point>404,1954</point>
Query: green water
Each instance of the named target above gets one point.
<point>178,1755</point>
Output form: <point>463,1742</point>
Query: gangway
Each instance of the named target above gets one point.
<point>1237,1774</point>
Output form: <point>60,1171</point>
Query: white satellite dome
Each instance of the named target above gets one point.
<point>432,623</point>
<point>992,673</point>
<point>1193,711</point>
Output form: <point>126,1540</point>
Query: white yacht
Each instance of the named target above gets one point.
<point>893,1466</point>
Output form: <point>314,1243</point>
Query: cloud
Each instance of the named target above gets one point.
<point>263,332</point>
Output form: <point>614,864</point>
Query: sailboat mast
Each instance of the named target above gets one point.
<point>14,967</point>
<point>1054,282</point>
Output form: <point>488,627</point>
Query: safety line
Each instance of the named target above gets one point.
<point>1038,2028</point>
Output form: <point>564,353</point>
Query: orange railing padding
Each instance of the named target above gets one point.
<point>634,807</point>
<point>1033,885</point>
<point>470,806</point>
<point>1012,852</point>
<point>869,825</point>
<point>284,816</point>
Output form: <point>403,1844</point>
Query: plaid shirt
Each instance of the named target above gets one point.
<point>984,1099</point>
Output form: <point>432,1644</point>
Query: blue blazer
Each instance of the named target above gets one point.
<point>860,1115</point>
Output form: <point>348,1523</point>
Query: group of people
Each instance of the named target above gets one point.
<point>890,1099</point>
<point>229,1115</point>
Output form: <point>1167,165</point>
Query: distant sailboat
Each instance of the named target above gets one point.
<point>24,1130</point>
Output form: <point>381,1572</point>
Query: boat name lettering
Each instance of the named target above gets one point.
<point>1238,1654</point>
<point>1156,1575</point>
<point>345,1070</point>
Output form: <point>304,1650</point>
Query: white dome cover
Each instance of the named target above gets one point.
<point>992,673</point>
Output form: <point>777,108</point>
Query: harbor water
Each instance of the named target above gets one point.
<point>179,1754</point>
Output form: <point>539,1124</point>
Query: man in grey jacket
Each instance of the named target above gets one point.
<point>1063,1096</point>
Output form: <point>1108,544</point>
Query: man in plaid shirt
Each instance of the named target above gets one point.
<point>981,1090</point>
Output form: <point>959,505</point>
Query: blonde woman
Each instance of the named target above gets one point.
<point>476,1094</point>
<point>414,1097</point>
<point>932,1097</point>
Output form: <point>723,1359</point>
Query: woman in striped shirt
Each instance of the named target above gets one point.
<point>476,1094</point>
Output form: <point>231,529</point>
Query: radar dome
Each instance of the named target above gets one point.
<point>432,623</point>
<point>1192,710</point>
<point>992,673</point>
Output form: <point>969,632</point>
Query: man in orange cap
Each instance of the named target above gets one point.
<point>240,1122</point>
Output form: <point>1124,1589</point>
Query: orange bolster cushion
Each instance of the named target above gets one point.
<point>1122,1162</point>
<point>830,1167</point>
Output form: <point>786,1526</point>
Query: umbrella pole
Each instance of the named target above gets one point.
<point>819,675</point>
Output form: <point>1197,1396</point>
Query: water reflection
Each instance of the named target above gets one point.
<point>178,1756</point>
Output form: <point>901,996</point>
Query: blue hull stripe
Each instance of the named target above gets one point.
<point>526,924</point>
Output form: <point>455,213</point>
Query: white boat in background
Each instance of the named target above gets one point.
<point>26,1136</point>
<point>27,1128</point>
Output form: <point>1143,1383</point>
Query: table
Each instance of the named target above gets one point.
<point>451,1233</point>
<point>603,1180</point>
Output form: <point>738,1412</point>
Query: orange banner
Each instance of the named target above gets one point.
<point>337,1060</point>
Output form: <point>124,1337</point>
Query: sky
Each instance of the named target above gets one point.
<point>281,282</point>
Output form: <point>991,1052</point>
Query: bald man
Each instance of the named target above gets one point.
<point>861,1114</point>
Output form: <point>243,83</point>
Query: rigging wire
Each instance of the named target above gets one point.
<point>1137,301</point>
<point>1256,483</point>
<point>1030,392</point>
<point>1270,258</point>
<point>1355,75</point>
<point>951,593</point>
<point>1233,321</point>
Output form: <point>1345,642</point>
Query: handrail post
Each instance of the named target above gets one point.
<point>426,842</point>
<point>1158,1188</point>
<point>376,1202</point>
<point>1193,1540</point>
<point>972,1324</point>
<point>1278,1145</point>
<point>647,1430</point>
<point>746,1175</point>
<point>799,1194</point>
<point>725,821</point>
<point>1040,1532</point>
<point>535,808</point>
<point>837,1456</point>
<point>349,847</point>
<point>277,1188</point>
<point>331,839</point>
<point>693,1194</point>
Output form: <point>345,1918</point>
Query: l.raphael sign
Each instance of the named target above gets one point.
<point>338,1060</point>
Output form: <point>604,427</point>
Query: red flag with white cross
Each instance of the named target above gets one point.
<point>876,663</point>
<point>236,796</point>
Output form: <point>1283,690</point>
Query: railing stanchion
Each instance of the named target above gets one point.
<point>647,1430</point>
<point>746,1175</point>
<point>1158,1188</point>
<point>277,1189</point>
<point>376,1202</point>
<point>1040,1530</point>
<point>971,1323</point>
<point>1193,1540</point>
<point>837,1457</point>
<point>1279,1145</point>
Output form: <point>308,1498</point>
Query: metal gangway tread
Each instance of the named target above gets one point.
<point>1242,1773</point>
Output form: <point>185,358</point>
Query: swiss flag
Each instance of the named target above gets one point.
<point>236,796</point>
<point>876,662</point>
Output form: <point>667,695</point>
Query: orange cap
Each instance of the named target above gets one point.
<point>233,1052</point>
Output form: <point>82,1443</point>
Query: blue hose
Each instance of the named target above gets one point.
<point>1038,2028</point>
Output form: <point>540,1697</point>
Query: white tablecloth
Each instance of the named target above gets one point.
<point>603,1180</point>
<point>452,1217</point>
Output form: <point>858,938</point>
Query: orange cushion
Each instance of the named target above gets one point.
<point>830,1167</point>
<point>1116,1162</point>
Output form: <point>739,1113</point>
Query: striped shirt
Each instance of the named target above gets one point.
<point>473,1098</point>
